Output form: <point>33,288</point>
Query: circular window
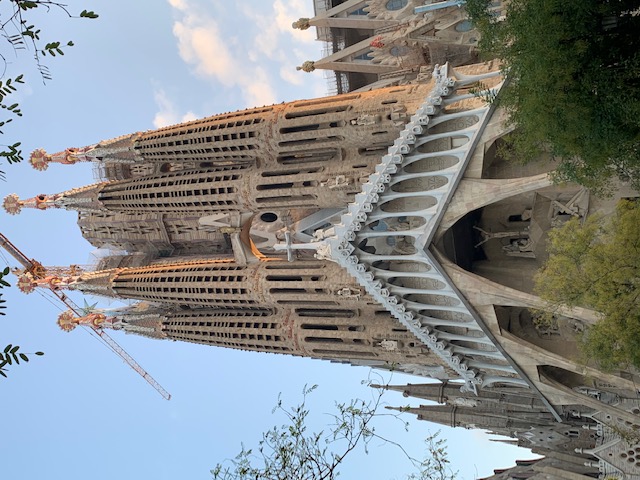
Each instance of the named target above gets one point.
<point>268,217</point>
<point>464,26</point>
<point>399,51</point>
<point>396,4</point>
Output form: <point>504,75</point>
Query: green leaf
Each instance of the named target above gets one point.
<point>24,357</point>
<point>88,14</point>
<point>14,349</point>
<point>39,354</point>
<point>8,348</point>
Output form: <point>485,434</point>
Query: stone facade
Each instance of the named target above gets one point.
<point>379,228</point>
<point>375,43</point>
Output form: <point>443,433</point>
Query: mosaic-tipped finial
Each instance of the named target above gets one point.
<point>12,204</point>
<point>26,283</point>
<point>301,24</point>
<point>308,66</point>
<point>377,43</point>
<point>40,159</point>
<point>67,320</point>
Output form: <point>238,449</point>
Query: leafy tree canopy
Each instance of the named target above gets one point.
<point>574,82</point>
<point>597,265</point>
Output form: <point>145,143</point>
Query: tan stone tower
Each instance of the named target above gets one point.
<point>379,228</point>
<point>208,218</point>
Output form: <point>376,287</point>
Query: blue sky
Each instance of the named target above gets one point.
<point>79,412</point>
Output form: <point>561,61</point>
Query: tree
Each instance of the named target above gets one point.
<point>574,83</point>
<point>597,265</point>
<point>290,451</point>
<point>21,35</point>
<point>11,354</point>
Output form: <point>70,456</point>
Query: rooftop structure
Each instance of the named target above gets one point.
<point>376,43</point>
<point>377,228</point>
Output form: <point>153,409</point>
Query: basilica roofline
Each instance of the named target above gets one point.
<point>366,222</point>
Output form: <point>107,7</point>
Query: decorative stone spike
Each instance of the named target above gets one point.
<point>26,283</point>
<point>12,204</point>
<point>39,159</point>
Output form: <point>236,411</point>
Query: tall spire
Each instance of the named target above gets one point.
<point>140,318</point>
<point>119,149</point>
<point>84,198</point>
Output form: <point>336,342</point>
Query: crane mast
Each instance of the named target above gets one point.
<point>36,269</point>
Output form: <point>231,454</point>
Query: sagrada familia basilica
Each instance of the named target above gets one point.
<point>378,227</point>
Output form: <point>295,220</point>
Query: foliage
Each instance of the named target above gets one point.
<point>574,83</point>
<point>290,451</point>
<point>21,35</point>
<point>11,354</point>
<point>3,283</point>
<point>597,265</point>
<point>436,465</point>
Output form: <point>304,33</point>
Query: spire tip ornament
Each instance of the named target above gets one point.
<point>301,24</point>
<point>26,283</point>
<point>40,159</point>
<point>308,66</point>
<point>68,320</point>
<point>12,204</point>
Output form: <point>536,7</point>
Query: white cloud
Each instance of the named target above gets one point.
<point>289,74</point>
<point>247,47</point>
<point>167,113</point>
<point>201,45</point>
<point>287,12</point>
<point>178,4</point>
<point>215,55</point>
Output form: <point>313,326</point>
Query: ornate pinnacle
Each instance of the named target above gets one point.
<point>12,203</point>
<point>40,159</point>
<point>54,278</point>
<point>308,66</point>
<point>26,284</point>
<point>76,199</point>
<point>301,24</point>
<point>67,320</point>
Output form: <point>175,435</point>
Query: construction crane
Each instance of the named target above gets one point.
<point>37,271</point>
